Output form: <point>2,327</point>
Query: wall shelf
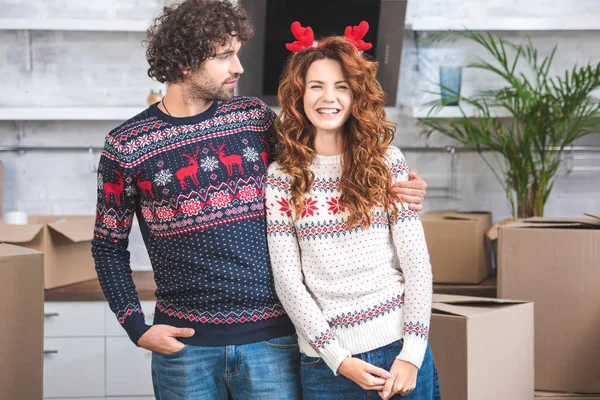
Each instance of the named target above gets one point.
<point>73,25</point>
<point>505,24</point>
<point>417,24</point>
<point>446,112</point>
<point>69,113</point>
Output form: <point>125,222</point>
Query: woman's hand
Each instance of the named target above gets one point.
<point>402,381</point>
<point>362,373</point>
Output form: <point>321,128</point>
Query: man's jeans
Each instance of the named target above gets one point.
<point>264,370</point>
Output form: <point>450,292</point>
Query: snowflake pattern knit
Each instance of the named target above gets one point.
<point>196,185</point>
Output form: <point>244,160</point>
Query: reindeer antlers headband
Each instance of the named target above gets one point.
<point>305,37</point>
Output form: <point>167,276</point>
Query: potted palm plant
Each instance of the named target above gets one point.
<point>546,114</point>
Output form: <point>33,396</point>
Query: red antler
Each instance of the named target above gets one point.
<point>304,37</point>
<point>356,33</point>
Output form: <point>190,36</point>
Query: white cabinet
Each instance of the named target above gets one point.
<point>88,355</point>
<point>74,367</point>
<point>92,398</point>
<point>122,360</point>
<point>74,319</point>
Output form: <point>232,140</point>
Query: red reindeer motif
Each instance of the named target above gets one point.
<point>230,160</point>
<point>116,189</point>
<point>265,154</point>
<point>191,170</point>
<point>145,186</point>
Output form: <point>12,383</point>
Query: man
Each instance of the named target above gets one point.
<point>191,168</point>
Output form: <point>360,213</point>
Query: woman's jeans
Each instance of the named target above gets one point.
<point>319,383</point>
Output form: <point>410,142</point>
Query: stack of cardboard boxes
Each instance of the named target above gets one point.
<point>475,346</point>
<point>496,348</point>
<point>48,252</point>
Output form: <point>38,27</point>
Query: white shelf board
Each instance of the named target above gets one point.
<point>417,24</point>
<point>73,25</point>
<point>68,113</point>
<point>446,112</point>
<point>506,24</point>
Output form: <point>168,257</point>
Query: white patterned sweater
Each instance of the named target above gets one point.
<point>348,291</point>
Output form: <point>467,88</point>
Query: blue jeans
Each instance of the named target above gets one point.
<point>318,382</point>
<point>263,370</point>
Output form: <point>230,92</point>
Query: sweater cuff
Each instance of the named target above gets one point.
<point>413,350</point>
<point>333,355</point>
<point>135,326</point>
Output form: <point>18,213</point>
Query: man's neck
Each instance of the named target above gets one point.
<point>177,104</point>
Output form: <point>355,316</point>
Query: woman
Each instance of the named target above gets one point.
<point>351,267</point>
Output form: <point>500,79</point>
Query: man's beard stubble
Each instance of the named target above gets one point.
<point>202,88</point>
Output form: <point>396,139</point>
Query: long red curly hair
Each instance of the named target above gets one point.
<point>366,176</point>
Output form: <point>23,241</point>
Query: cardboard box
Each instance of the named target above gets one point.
<point>65,242</point>
<point>1,191</point>
<point>457,245</point>
<point>483,347</point>
<point>22,327</point>
<point>487,288</point>
<point>556,264</point>
<point>565,396</point>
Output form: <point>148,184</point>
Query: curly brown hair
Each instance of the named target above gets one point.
<point>366,175</point>
<point>186,34</point>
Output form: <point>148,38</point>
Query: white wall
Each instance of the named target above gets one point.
<point>109,69</point>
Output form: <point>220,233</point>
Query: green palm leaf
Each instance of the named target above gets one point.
<point>548,114</point>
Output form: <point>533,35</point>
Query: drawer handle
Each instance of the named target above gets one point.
<point>51,314</point>
<point>50,351</point>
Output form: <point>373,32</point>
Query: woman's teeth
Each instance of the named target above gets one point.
<point>328,111</point>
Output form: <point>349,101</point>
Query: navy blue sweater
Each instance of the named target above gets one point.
<point>196,185</point>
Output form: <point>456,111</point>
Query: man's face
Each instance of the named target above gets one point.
<point>216,78</point>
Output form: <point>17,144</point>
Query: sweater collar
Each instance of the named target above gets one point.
<point>194,119</point>
<point>327,160</point>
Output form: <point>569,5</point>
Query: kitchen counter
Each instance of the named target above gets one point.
<point>91,290</point>
<point>144,283</point>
